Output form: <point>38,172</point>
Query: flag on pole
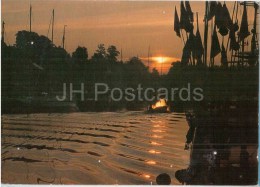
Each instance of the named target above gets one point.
<point>215,47</point>
<point>218,15</point>
<point>177,23</point>
<point>186,54</point>
<point>189,11</point>
<point>192,45</point>
<point>188,48</point>
<point>223,56</point>
<point>243,32</point>
<point>227,21</point>
<point>212,9</point>
<point>234,45</point>
<point>199,46</point>
<point>184,19</point>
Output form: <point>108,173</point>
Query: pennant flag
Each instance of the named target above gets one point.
<point>186,54</point>
<point>212,9</point>
<point>234,45</point>
<point>215,48</point>
<point>243,32</point>
<point>223,56</point>
<point>218,15</point>
<point>199,46</point>
<point>192,44</point>
<point>222,19</point>
<point>177,23</point>
<point>184,19</point>
<point>188,49</point>
<point>253,44</point>
<point>227,21</point>
<point>189,11</point>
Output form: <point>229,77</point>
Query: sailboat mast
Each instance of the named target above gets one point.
<point>121,54</point>
<point>197,16</point>
<point>243,41</point>
<point>3,32</point>
<point>30,18</point>
<point>206,32</point>
<point>255,17</point>
<point>63,38</point>
<point>149,58</point>
<point>52,28</point>
<point>253,45</point>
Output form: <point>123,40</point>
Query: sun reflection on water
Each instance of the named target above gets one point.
<point>156,136</point>
<point>157,130</point>
<point>146,176</point>
<point>151,162</point>
<point>155,143</point>
<point>154,151</point>
<point>156,126</point>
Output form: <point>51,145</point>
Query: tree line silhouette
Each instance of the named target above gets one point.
<point>34,66</point>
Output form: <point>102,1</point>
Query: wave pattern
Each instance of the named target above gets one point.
<point>92,148</point>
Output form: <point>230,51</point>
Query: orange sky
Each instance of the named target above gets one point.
<point>130,25</point>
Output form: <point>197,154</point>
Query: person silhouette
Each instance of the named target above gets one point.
<point>163,179</point>
<point>189,136</point>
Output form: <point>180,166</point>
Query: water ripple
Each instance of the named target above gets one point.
<point>92,148</point>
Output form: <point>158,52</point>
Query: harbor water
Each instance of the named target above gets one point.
<point>93,148</point>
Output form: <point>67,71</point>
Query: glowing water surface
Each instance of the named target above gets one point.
<point>92,148</point>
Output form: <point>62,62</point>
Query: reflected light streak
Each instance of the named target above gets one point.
<point>156,126</point>
<point>151,162</point>
<point>154,151</point>
<point>155,143</point>
<point>146,176</point>
<point>158,131</point>
<point>156,136</point>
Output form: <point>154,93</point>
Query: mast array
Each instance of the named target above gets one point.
<point>224,25</point>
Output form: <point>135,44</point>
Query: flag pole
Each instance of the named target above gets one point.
<point>182,38</point>
<point>186,41</point>
<point>197,14</point>
<point>52,27</point>
<point>232,22</point>
<point>149,58</point>
<point>30,18</point>
<point>206,32</point>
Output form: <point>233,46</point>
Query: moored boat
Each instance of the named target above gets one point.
<point>159,107</point>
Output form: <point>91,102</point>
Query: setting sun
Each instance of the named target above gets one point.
<point>159,59</point>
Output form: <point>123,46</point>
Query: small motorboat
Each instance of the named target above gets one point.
<point>159,107</point>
